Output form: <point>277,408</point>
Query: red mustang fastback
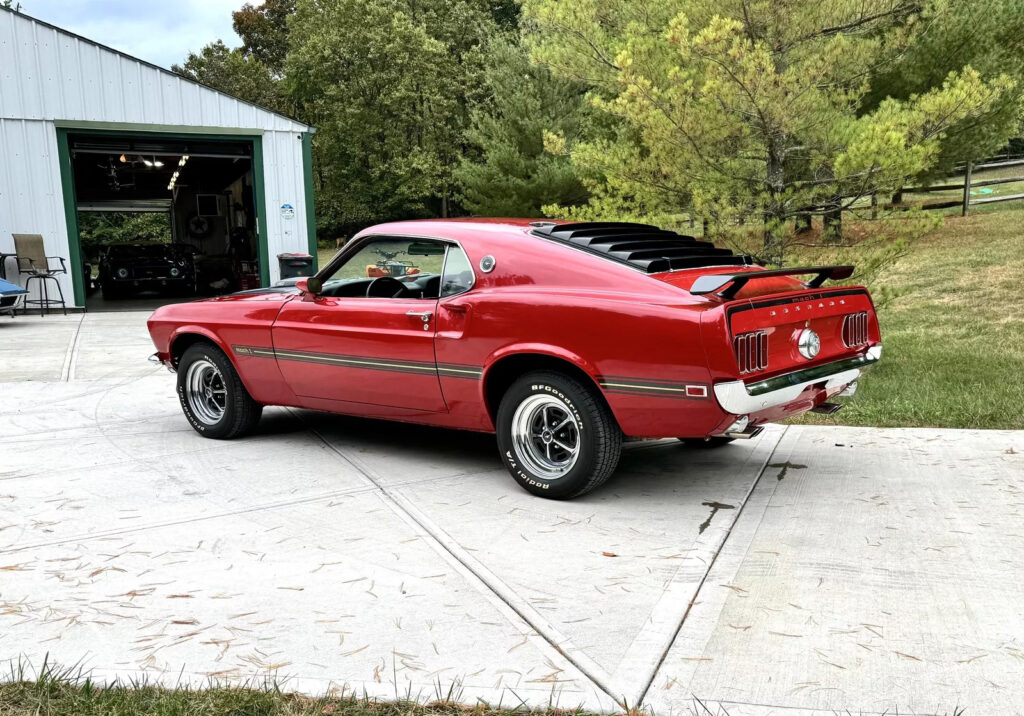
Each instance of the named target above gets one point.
<point>563,338</point>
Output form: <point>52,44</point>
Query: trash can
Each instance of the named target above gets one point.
<point>295,265</point>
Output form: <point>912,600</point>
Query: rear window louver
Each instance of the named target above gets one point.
<point>641,246</point>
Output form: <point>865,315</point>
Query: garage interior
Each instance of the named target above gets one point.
<point>203,186</point>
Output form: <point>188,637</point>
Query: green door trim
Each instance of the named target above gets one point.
<point>88,127</point>
<point>307,180</point>
<point>260,195</point>
<point>67,181</point>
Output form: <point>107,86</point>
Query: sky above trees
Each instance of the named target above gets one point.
<point>159,32</point>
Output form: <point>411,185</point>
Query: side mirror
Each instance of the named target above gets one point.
<point>311,286</point>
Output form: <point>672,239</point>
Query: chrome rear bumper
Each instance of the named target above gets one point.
<point>741,398</point>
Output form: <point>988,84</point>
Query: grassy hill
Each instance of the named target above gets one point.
<point>954,338</point>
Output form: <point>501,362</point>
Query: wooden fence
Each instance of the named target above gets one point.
<point>966,202</point>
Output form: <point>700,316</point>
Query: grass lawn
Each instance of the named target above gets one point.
<point>54,694</point>
<point>954,338</point>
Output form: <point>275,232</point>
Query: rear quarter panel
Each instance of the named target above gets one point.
<point>646,358</point>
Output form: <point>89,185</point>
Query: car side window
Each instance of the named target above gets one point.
<point>389,268</point>
<point>392,257</point>
<point>458,273</point>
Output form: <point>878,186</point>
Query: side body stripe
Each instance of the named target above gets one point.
<point>448,370</point>
<point>654,388</point>
<point>611,384</point>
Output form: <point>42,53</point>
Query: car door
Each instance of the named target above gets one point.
<point>377,350</point>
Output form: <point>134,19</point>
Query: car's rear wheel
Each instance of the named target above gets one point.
<point>706,443</point>
<point>212,396</point>
<point>556,435</point>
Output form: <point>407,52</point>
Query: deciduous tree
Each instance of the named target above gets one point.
<point>231,71</point>
<point>264,31</point>
<point>387,83</point>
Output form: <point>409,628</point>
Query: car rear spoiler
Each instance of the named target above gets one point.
<point>727,285</point>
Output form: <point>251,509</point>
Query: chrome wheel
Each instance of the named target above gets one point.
<point>205,391</point>
<point>546,436</point>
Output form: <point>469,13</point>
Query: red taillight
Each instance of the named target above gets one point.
<point>751,351</point>
<point>855,329</point>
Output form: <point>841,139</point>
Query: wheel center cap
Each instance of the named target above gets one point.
<point>209,392</point>
<point>546,436</point>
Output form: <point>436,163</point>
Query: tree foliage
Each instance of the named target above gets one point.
<point>388,84</point>
<point>513,174</point>
<point>754,110</point>
<point>987,37</point>
<point>231,71</point>
<point>100,228</point>
<point>264,31</point>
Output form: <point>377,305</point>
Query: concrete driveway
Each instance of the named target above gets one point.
<point>811,570</point>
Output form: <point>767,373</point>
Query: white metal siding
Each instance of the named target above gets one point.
<point>30,191</point>
<point>47,75</point>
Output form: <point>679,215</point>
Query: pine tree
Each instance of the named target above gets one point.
<point>513,175</point>
<point>753,110</point>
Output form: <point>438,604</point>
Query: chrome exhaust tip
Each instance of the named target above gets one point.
<point>745,434</point>
<point>827,408</point>
<point>741,429</point>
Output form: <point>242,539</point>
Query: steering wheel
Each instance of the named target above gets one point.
<point>385,287</point>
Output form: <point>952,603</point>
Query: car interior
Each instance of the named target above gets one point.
<point>401,269</point>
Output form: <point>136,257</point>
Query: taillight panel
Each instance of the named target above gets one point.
<point>855,329</point>
<point>751,351</point>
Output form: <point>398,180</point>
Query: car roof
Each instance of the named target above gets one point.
<point>454,229</point>
<point>639,246</point>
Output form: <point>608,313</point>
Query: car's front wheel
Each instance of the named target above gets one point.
<point>212,396</point>
<point>557,437</point>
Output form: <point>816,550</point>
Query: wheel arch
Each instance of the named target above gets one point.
<point>190,335</point>
<point>505,368</point>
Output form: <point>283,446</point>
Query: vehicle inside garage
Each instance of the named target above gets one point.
<point>163,219</point>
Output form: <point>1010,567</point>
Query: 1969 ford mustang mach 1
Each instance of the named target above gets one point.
<point>563,338</point>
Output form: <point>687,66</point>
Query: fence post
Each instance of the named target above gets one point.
<point>967,188</point>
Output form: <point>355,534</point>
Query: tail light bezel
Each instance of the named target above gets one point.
<point>751,351</point>
<point>855,331</point>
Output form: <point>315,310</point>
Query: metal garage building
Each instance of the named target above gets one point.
<point>84,127</point>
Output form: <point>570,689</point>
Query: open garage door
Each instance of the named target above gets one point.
<point>163,219</point>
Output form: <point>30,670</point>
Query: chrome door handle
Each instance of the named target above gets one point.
<point>424,316</point>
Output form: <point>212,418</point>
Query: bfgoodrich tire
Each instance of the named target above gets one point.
<point>556,435</point>
<point>212,396</point>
